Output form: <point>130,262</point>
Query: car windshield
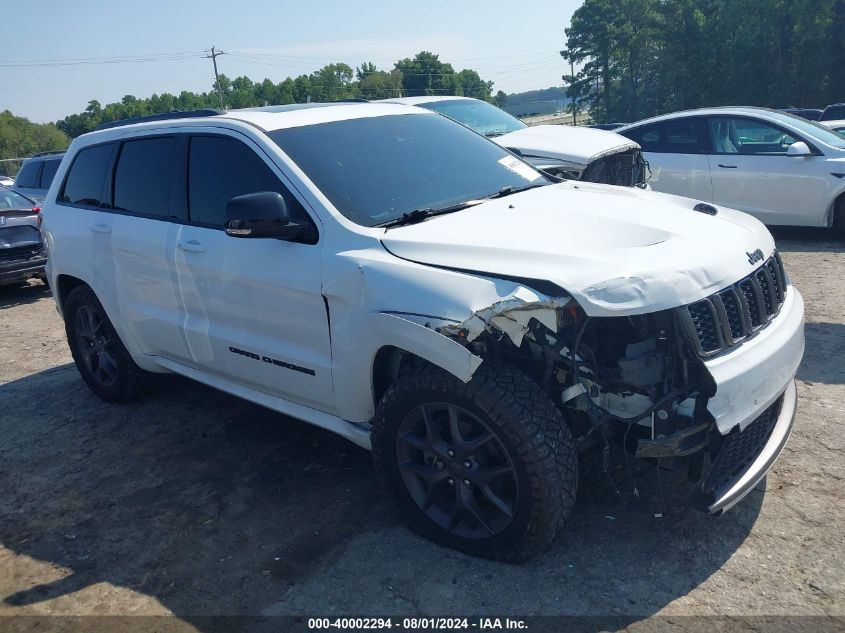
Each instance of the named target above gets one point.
<point>812,129</point>
<point>834,112</point>
<point>481,116</point>
<point>377,169</point>
<point>11,200</point>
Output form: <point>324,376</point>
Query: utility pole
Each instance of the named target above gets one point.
<point>571,99</point>
<point>213,57</point>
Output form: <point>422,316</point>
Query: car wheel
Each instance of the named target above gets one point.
<point>99,354</point>
<point>486,467</point>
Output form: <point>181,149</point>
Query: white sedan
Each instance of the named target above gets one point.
<point>780,168</point>
<point>836,126</point>
<point>574,153</point>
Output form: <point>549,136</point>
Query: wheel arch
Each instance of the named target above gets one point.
<point>64,285</point>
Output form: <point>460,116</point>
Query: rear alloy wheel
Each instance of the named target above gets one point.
<point>487,467</point>
<point>100,356</point>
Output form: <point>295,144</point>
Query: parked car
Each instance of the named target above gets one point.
<point>576,153</point>
<point>394,277</point>
<point>780,168</point>
<point>836,126</point>
<point>36,174</point>
<point>5,181</point>
<point>833,112</point>
<point>811,114</point>
<point>21,250</point>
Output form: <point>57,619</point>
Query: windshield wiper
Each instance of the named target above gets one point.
<point>418,215</point>
<point>507,191</point>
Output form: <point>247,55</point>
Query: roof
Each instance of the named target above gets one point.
<point>267,118</point>
<point>715,111</point>
<point>425,99</point>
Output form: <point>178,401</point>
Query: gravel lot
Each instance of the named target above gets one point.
<point>193,503</point>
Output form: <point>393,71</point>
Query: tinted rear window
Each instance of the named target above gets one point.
<point>221,168</point>
<point>84,184</point>
<point>11,200</point>
<point>48,172</point>
<point>28,175</point>
<point>143,176</point>
<point>833,113</point>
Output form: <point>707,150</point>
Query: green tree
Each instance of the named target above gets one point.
<point>425,74</point>
<point>19,137</point>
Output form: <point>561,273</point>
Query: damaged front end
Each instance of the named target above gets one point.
<point>637,381</point>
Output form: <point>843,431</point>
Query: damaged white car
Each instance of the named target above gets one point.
<point>387,274</point>
<point>564,151</point>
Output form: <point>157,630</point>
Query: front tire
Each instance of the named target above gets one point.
<point>488,467</point>
<point>100,356</point>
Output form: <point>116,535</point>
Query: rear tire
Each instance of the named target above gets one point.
<point>501,484</point>
<point>100,356</point>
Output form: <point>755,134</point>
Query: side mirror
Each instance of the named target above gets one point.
<point>799,148</point>
<point>262,214</point>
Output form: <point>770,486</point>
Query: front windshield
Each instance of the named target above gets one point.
<point>376,169</point>
<point>812,129</point>
<point>481,116</point>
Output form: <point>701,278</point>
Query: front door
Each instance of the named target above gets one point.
<point>253,308</point>
<point>752,172</point>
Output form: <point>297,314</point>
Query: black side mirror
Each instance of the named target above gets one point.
<point>262,214</point>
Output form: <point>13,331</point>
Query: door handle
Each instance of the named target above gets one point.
<point>727,166</point>
<point>191,246</point>
<point>101,228</point>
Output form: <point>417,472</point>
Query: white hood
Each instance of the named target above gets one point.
<point>617,251</point>
<point>580,145</point>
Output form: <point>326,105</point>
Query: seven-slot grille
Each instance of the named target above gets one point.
<point>730,316</point>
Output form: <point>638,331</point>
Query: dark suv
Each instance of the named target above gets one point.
<point>22,252</point>
<point>37,173</point>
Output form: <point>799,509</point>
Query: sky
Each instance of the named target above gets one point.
<point>56,55</point>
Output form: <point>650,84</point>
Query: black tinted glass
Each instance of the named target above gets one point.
<point>84,184</point>
<point>648,137</point>
<point>681,137</point>
<point>833,113</point>
<point>221,168</point>
<point>48,172</point>
<point>144,175</point>
<point>28,175</point>
<point>375,169</point>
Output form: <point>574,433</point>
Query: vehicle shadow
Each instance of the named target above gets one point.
<point>211,505</point>
<point>823,353</point>
<point>23,293</point>
<point>802,239</point>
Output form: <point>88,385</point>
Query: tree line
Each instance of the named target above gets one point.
<point>424,74</point>
<point>644,57</point>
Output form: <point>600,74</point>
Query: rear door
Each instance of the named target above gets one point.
<point>752,172</point>
<point>147,203</point>
<point>254,311</point>
<point>676,151</point>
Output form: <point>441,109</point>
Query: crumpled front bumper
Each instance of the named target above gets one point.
<point>754,406</point>
<point>716,500</point>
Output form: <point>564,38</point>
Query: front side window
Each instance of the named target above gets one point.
<point>144,175</point>
<point>48,172</point>
<point>28,175</point>
<point>221,168</point>
<point>376,169</point>
<point>675,136</point>
<point>481,116</point>
<point>84,183</point>
<point>738,135</point>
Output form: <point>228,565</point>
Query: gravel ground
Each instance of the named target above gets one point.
<point>193,503</point>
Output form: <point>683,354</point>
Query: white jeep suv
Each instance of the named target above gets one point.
<point>385,273</point>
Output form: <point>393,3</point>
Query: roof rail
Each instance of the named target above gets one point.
<point>164,116</point>
<point>55,151</point>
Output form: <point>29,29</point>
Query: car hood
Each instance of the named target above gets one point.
<point>617,251</point>
<point>564,142</point>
